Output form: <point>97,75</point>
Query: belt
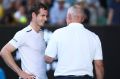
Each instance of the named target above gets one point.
<point>80,76</point>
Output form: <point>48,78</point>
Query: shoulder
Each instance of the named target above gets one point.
<point>23,32</point>
<point>60,30</point>
<point>93,38</point>
<point>92,34</point>
<point>57,33</point>
<point>26,29</point>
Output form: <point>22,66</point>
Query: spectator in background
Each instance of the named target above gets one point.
<point>30,4</point>
<point>20,14</point>
<point>93,6</point>
<point>12,7</point>
<point>82,4</point>
<point>1,10</point>
<point>6,3</point>
<point>102,19</point>
<point>114,12</point>
<point>76,49</point>
<point>58,13</point>
<point>48,3</point>
<point>8,16</point>
<point>70,2</point>
<point>31,46</point>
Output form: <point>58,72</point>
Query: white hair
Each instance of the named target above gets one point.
<point>74,10</point>
<point>75,14</point>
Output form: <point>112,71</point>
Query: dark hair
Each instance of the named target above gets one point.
<point>35,8</point>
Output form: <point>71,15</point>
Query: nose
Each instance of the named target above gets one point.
<point>45,18</point>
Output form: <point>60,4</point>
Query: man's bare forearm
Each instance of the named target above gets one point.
<point>99,68</point>
<point>6,54</point>
<point>100,73</point>
<point>11,63</point>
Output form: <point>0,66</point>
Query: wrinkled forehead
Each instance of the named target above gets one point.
<point>43,11</point>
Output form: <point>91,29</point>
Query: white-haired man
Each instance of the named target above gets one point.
<point>76,49</point>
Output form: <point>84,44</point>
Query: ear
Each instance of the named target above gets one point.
<point>70,17</point>
<point>33,14</point>
<point>83,17</point>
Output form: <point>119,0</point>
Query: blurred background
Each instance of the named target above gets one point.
<point>102,17</point>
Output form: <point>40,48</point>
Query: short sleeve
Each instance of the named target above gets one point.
<point>17,40</point>
<point>51,49</point>
<point>98,49</point>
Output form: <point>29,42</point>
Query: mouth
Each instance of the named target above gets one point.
<point>42,23</point>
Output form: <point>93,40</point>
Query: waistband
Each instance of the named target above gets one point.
<point>80,76</point>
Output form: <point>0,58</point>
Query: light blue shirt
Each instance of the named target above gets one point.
<point>57,15</point>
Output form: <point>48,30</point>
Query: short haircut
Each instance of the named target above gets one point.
<point>35,8</point>
<point>74,10</point>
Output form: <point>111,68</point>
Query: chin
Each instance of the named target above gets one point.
<point>41,25</point>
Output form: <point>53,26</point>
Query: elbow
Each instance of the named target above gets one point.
<point>2,54</point>
<point>48,59</point>
<point>6,50</point>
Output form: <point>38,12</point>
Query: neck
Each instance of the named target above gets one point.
<point>73,22</point>
<point>35,27</point>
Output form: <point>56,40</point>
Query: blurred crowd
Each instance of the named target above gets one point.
<point>17,11</point>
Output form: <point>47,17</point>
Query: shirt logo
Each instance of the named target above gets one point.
<point>29,30</point>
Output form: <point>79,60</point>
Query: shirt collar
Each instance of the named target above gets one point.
<point>76,25</point>
<point>30,27</point>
